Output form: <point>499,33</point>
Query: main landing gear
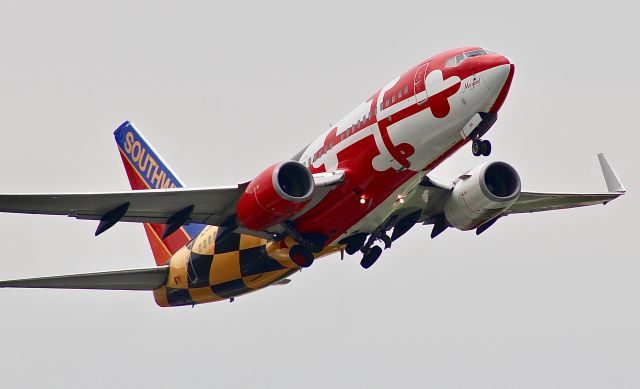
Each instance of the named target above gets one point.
<point>308,243</point>
<point>301,256</point>
<point>371,256</point>
<point>481,147</point>
<point>371,253</point>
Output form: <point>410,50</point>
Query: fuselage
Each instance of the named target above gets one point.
<point>384,146</point>
<point>402,131</point>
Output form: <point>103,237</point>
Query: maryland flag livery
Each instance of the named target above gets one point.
<point>355,189</point>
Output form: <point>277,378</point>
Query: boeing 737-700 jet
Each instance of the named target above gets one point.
<point>356,188</point>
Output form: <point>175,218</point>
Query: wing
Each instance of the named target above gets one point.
<point>537,202</point>
<point>208,205</point>
<point>174,207</point>
<point>135,279</point>
<point>425,203</point>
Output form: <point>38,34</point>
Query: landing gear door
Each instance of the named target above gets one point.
<point>419,87</point>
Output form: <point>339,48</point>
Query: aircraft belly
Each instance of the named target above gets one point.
<point>207,271</point>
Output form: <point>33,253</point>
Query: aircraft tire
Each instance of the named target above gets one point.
<point>316,242</point>
<point>485,148</point>
<point>355,243</point>
<point>301,256</point>
<point>352,248</point>
<point>371,257</point>
<point>476,147</point>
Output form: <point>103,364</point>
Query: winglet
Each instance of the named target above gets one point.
<point>610,177</point>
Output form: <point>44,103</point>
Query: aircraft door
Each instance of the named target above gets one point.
<point>419,86</point>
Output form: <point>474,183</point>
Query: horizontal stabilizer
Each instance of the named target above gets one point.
<point>134,279</point>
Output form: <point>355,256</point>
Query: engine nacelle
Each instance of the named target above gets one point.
<point>275,195</point>
<point>482,194</point>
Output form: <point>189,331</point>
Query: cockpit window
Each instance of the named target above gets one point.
<point>458,59</point>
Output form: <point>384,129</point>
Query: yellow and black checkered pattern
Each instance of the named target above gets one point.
<point>205,270</point>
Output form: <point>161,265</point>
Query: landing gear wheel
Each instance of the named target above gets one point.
<point>301,256</point>
<point>371,257</point>
<point>355,243</point>
<point>315,242</point>
<point>476,147</point>
<point>485,148</point>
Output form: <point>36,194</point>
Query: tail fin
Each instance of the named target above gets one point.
<point>147,170</point>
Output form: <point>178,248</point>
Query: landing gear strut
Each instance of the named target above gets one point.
<point>481,147</point>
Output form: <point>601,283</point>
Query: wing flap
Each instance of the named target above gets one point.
<point>134,279</point>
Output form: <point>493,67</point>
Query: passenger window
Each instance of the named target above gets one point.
<point>393,99</point>
<point>406,90</point>
<point>399,94</point>
<point>386,103</point>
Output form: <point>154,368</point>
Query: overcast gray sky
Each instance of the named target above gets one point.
<point>539,301</point>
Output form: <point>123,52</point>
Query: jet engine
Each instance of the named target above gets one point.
<point>481,195</point>
<point>275,195</point>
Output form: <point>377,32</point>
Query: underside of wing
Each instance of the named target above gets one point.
<point>173,207</point>
<point>537,202</point>
<point>135,279</point>
<point>210,205</point>
<point>478,198</point>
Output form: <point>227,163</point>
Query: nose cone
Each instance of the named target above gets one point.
<point>497,78</point>
<point>496,75</point>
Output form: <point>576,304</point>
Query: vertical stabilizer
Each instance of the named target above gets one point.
<point>147,170</point>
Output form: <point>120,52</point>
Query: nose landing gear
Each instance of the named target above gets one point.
<point>481,147</point>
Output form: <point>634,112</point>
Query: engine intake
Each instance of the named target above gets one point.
<point>500,181</point>
<point>482,194</point>
<point>275,195</point>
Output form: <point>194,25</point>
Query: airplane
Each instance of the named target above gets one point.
<point>356,188</point>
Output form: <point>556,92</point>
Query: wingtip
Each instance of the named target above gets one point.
<point>614,185</point>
